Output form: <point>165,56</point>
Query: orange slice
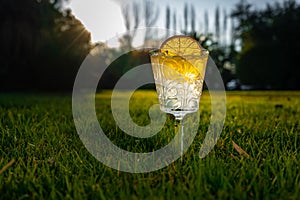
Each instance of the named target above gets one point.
<point>181,45</point>
<point>185,56</point>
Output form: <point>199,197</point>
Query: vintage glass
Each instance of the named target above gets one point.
<point>179,81</point>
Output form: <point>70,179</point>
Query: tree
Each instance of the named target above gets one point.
<point>225,27</point>
<point>168,16</point>
<point>151,14</point>
<point>64,48</point>
<point>206,23</point>
<point>18,31</point>
<point>174,21</point>
<point>185,13</point>
<point>232,31</point>
<point>41,43</point>
<point>270,41</point>
<point>130,12</point>
<point>217,24</point>
<point>193,17</point>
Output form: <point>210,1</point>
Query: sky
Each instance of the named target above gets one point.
<point>104,19</point>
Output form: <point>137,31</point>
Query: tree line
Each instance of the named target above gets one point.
<point>43,44</point>
<point>222,53</point>
<point>268,40</point>
<point>269,56</point>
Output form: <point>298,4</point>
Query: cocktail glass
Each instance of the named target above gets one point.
<point>179,83</point>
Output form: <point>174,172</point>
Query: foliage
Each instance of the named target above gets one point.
<point>138,12</point>
<point>42,45</point>
<point>117,68</point>
<point>270,45</point>
<point>51,162</point>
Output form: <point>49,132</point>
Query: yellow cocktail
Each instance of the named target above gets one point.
<point>178,80</point>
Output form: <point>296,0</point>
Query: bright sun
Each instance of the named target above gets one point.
<point>102,18</point>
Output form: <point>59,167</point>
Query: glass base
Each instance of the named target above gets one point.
<point>179,113</point>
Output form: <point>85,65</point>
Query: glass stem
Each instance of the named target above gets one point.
<point>180,124</point>
<point>182,136</point>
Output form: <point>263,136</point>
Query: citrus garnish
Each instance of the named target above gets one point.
<point>184,55</point>
<point>181,45</point>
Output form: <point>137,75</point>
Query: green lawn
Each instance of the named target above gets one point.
<point>41,155</point>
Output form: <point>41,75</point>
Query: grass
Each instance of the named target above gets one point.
<point>41,155</point>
